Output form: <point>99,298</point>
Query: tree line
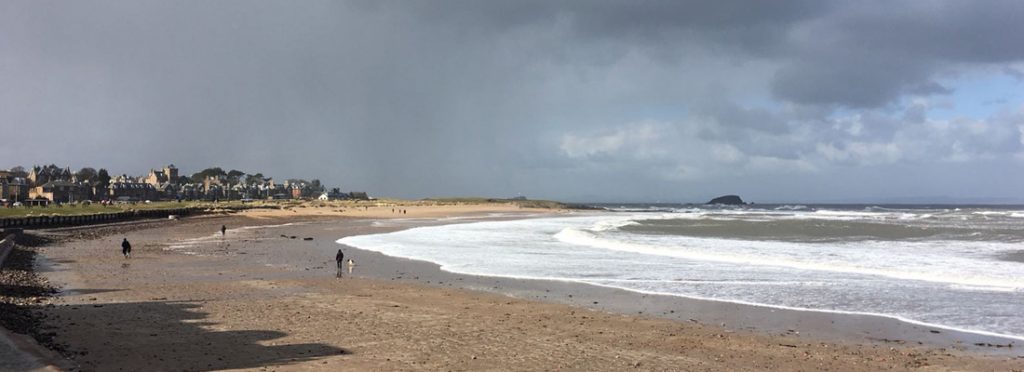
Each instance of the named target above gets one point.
<point>102,177</point>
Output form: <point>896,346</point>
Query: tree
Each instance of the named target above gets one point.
<point>103,178</point>
<point>86,174</point>
<point>19,171</point>
<point>235,175</point>
<point>254,178</point>
<point>208,172</point>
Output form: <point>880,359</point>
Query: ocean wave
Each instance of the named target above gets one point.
<point>583,238</point>
<point>797,207</point>
<point>976,288</point>
<point>605,225</point>
<point>928,279</point>
<point>639,210</point>
<point>1009,213</point>
<point>383,244</point>
<point>902,318</point>
<point>786,283</point>
<point>990,213</point>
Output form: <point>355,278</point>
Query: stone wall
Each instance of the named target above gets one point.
<point>6,246</point>
<point>91,219</point>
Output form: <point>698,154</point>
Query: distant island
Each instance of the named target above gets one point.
<point>727,200</point>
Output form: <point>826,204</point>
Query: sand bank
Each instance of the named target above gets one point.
<point>390,209</point>
<point>191,299</point>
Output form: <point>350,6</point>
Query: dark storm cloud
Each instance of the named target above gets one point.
<point>561,99</point>
<point>870,53</point>
<point>748,25</point>
<point>851,78</point>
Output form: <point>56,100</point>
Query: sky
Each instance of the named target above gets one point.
<point>633,101</point>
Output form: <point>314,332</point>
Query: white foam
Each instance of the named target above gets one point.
<point>956,283</point>
<point>796,308</point>
<point>355,241</point>
<point>791,207</point>
<point>1010,214</point>
<point>582,238</point>
<point>975,288</point>
<point>605,225</point>
<point>990,213</point>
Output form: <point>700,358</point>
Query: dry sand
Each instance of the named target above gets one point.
<point>191,300</point>
<point>388,209</point>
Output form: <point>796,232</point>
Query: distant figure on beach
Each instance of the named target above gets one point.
<point>223,230</point>
<point>126,248</point>
<point>339,258</point>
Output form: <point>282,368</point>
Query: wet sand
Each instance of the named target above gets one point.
<point>1017,256</point>
<point>192,300</point>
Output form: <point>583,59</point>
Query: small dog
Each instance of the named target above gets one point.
<point>351,263</point>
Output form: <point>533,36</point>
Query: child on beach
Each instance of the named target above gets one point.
<point>126,248</point>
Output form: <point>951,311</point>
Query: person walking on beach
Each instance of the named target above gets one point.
<point>223,230</point>
<point>126,248</point>
<point>340,258</point>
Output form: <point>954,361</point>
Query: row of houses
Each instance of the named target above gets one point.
<point>13,187</point>
<point>45,185</point>
<point>68,190</point>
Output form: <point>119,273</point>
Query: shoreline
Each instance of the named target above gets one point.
<point>969,337</point>
<point>213,281</point>
<point>821,325</point>
<point>850,326</point>
<point>921,332</point>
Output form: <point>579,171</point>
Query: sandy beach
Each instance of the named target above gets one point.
<point>267,296</point>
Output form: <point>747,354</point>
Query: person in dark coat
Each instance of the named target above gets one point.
<point>340,258</point>
<point>126,248</point>
<point>223,230</point>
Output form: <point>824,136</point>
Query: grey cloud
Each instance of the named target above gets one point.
<point>942,30</point>
<point>727,22</point>
<point>872,53</point>
<point>851,78</point>
<point>1014,72</point>
<point>426,98</point>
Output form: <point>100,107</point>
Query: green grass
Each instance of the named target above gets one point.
<point>96,208</point>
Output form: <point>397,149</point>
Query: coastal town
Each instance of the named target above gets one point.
<point>50,184</point>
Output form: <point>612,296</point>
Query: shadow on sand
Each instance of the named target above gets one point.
<point>168,336</point>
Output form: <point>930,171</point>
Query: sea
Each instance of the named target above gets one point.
<point>945,266</point>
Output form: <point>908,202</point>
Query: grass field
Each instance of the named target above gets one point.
<point>96,208</point>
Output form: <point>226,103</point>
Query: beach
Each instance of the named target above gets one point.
<point>267,296</point>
